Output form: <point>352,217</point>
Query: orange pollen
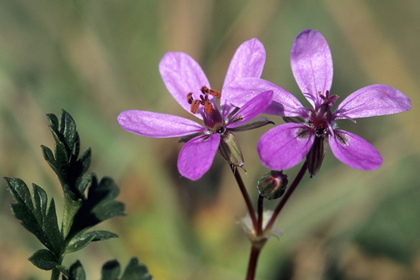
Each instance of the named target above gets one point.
<point>195,104</point>
<point>208,106</point>
<point>215,93</point>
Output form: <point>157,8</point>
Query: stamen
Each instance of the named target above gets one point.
<point>195,104</point>
<point>204,100</point>
<point>215,93</point>
<point>190,99</point>
<point>208,107</point>
<point>204,89</point>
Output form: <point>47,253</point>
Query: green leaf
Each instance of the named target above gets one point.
<point>99,205</point>
<point>85,160</point>
<point>76,272</point>
<point>83,182</point>
<point>71,207</point>
<point>64,161</point>
<point>44,259</point>
<point>48,154</point>
<point>53,120</point>
<point>20,191</point>
<point>50,227</point>
<point>136,271</point>
<point>110,270</point>
<point>82,240</point>
<point>34,214</point>
<point>105,190</point>
<point>69,132</point>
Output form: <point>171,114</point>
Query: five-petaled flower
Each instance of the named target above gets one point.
<point>309,130</point>
<point>188,84</point>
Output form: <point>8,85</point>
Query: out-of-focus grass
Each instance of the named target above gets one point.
<point>98,58</point>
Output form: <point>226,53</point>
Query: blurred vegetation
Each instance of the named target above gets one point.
<point>98,58</point>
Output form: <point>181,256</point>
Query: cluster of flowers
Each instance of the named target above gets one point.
<point>244,96</point>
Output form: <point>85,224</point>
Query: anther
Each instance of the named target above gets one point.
<point>215,93</point>
<point>190,99</point>
<point>204,89</point>
<point>195,104</point>
<point>208,107</point>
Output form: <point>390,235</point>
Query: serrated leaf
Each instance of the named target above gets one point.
<point>82,240</point>
<point>83,182</point>
<point>20,191</point>
<point>76,272</point>
<point>50,226</point>
<point>108,209</point>
<point>44,259</point>
<point>64,161</point>
<point>48,154</point>
<point>41,202</point>
<point>34,214</point>
<point>105,190</point>
<point>53,120</point>
<point>110,270</point>
<point>136,271</point>
<point>62,157</point>
<point>69,132</point>
<point>99,205</point>
<point>85,160</point>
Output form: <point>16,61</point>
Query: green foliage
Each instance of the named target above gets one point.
<point>111,271</point>
<point>35,214</point>
<point>87,202</point>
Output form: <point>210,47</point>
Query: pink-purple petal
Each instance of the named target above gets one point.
<point>373,100</point>
<point>284,103</point>
<point>251,109</point>
<point>248,61</point>
<point>181,75</point>
<point>196,156</point>
<point>312,65</point>
<point>285,145</point>
<point>157,125</point>
<point>354,151</point>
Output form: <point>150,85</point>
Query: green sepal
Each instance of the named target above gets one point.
<point>80,241</point>
<point>230,150</point>
<point>254,123</point>
<point>44,259</point>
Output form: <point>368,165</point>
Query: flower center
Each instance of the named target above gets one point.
<point>204,100</point>
<point>212,118</point>
<point>321,117</point>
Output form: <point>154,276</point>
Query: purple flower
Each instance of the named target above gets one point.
<point>308,131</point>
<point>188,84</point>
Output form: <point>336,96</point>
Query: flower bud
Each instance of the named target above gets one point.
<point>272,185</point>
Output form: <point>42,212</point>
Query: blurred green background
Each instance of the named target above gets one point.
<point>98,58</point>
